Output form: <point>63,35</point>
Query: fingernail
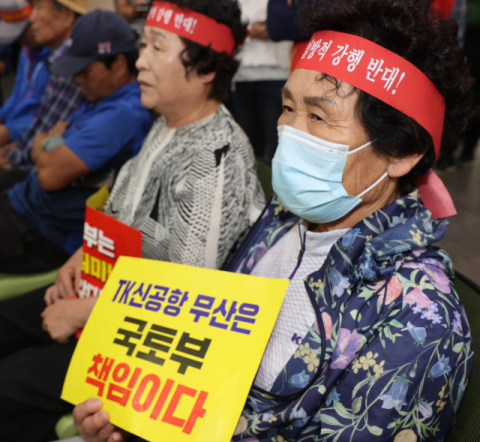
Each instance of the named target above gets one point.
<point>97,403</point>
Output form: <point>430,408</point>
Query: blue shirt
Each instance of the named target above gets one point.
<point>61,98</point>
<point>104,136</point>
<point>18,111</point>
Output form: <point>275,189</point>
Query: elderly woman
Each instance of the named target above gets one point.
<point>192,191</point>
<point>372,342</point>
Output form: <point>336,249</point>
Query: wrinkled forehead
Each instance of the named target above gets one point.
<point>307,83</point>
<point>153,34</point>
<point>44,3</point>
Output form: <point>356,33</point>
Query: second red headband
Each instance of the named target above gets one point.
<point>17,15</point>
<point>192,25</point>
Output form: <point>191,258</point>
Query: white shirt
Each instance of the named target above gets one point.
<point>297,314</point>
<point>261,60</point>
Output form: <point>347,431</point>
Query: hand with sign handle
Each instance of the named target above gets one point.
<point>67,282</point>
<point>52,295</point>
<point>93,424</point>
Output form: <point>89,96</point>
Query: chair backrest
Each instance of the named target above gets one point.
<point>467,424</point>
<point>13,285</point>
<point>99,198</point>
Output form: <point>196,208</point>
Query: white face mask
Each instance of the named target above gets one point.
<point>307,176</point>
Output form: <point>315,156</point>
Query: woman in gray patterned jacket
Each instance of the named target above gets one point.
<point>192,191</point>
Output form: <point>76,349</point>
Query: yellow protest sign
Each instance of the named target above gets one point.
<point>172,350</point>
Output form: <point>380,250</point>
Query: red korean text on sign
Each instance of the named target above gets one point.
<point>146,392</point>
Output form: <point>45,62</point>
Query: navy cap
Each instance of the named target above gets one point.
<point>96,35</point>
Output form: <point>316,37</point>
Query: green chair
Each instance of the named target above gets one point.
<point>467,424</point>
<point>13,285</point>
<point>264,173</point>
<point>65,427</point>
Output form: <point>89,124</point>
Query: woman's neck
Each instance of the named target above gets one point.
<point>189,114</point>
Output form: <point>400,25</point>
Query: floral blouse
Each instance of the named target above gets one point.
<point>389,356</point>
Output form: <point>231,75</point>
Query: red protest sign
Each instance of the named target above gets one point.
<point>104,240</point>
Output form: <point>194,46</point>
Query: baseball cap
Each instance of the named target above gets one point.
<point>78,6</point>
<point>96,35</point>
<point>14,16</point>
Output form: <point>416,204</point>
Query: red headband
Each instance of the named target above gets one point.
<point>191,25</point>
<point>393,80</point>
<point>16,16</point>
<point>445,6</point>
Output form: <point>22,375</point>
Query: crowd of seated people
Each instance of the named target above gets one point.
<point>51,22</point>
<point>18,111</point>
<point>347,225</point>
<point>43,215</point>
<point>192,189</point>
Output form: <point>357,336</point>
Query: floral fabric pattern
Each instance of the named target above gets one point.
<point>390,354</point>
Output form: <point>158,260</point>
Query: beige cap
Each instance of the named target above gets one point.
<point>79,6</point>
<point>106,5</point>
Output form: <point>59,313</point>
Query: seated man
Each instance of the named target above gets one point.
<point>52,23</point>
<point>18,111</point>
<point>41,218</point>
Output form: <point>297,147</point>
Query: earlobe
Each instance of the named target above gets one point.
<point>399,167</point>
<point>207,78</point>
<point>70,18</point>
<point>120,63</point>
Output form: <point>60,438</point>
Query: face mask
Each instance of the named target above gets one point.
<point>307,176</point>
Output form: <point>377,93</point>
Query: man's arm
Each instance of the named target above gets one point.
<point>57,169</point>
<point>4,135</point>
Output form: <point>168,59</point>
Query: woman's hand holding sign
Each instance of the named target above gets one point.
<point>63,318</point>
<point>94,425</point>
<point>67,282</point>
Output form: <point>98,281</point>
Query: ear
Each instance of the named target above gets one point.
<point>399,167</point>
<point>69,17</point>
<point>207,78</point>
<point>120,64</point>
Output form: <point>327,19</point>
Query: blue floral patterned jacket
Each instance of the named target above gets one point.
<point>390,354</point>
